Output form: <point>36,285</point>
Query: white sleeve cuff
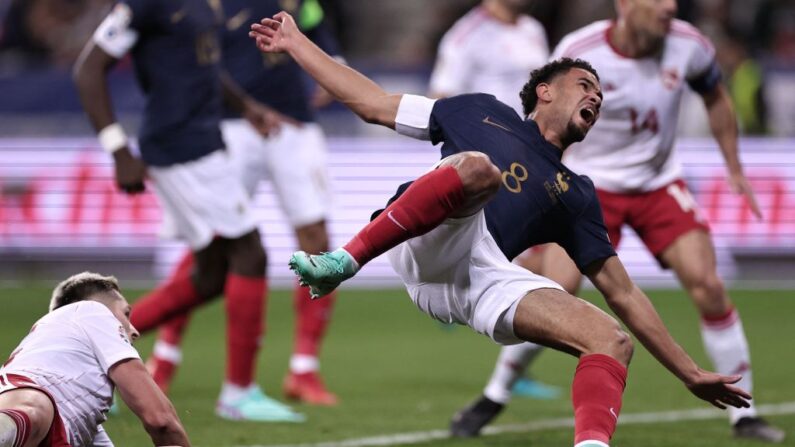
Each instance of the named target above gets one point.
<point>114,34</point>
<point>414,116</point>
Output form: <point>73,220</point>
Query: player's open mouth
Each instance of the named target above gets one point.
<point>588,113</point>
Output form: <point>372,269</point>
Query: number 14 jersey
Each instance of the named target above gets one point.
<point>630,148</point>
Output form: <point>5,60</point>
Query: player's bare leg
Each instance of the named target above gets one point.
<point>550,261</point>
<point>460,186</point>
<point>303,381</point>
<point>556,319</point>
<point>25,417</point>
<point>692,257</point>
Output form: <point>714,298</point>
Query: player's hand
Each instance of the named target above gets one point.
<point>130,172</point>
<point>718,390</point>
<point>267,121</point>
<point>739,185</point>
<point>275,35</point>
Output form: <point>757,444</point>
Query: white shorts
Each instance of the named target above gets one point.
<point>456,273</point>
<point>294,161</point>
<point>202,199</point>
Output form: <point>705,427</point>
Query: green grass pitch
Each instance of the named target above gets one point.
<point>397,371</point>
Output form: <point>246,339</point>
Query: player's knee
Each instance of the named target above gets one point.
<point>478,174</point>
<point>708,288</point>
<point>622,346</point>
<point>614,342</point>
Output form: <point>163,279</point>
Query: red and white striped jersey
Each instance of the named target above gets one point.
<point>481,54</point>
<point>631,147</point>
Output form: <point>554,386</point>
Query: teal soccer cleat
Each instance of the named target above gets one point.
<point>256,406</point>
<point>527,387</point>
<point>324,272</point>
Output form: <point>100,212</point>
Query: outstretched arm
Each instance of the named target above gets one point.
<point>633,307</point>
<point>723,123</point>
<point>145,399</point>
<point>363,96</point>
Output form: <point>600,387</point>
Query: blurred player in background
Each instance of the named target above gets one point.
<point>500,188</point>
<point>465,63</point>
<point>57,386</point>
<point>176,52</point>
<point>646,59</point>
<point>293,158</point>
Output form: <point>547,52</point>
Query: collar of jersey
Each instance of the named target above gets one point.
<point>545,145</point>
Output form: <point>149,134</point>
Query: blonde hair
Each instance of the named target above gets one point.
<point>80,287</point>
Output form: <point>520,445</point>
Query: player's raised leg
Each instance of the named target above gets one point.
<point>692,257</point>
<point>460,186</point>
<point>603,348</point>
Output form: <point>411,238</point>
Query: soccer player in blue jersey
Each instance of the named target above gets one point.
<point>295,155</point>
<point>499,189</point>
<point>176,54</point>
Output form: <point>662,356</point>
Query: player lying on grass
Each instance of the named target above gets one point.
<point>57,386</point>
<point>500,189</point>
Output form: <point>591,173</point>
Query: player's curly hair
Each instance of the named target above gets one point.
<point>545,75</point>
<point>81,287</point>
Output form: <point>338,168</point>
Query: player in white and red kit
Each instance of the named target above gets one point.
<point>646,60</point>
<point>465,62</point>
<point>57,386</point>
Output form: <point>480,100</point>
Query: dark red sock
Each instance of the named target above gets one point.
<point>596,394</point>
<point>312,318</point>
<point>22,421</point>
<point>421,208</point>
<point>171,332</point>
<point>176,296</point>
<point>245,305</point>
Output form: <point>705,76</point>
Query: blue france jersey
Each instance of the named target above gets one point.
<point>540,200</point>
<point>274,79</point>
<point>177,62</point>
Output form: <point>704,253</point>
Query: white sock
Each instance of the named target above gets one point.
<point>303,363</point>
<point>168,352</point>
<point>591,443</point>
<point>8,431</point>
<point>511,365</point>
<point>727,347</point>
<point>232,393</point>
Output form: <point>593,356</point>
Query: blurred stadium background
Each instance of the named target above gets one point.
<point>396,371</point>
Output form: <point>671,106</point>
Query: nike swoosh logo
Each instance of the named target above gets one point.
<point>179,15</point>
<point>392,218</point>
<point>238,20</point>
<point>487,120</point>
<point>613,412</point>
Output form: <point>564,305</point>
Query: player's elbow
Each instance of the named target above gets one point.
<point>380,109</point>
<point>161,422</point>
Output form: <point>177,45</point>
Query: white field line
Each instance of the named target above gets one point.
<point>422,437</point>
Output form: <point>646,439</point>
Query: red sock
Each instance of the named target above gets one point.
<point>22,421</point>
<point>596,393</point>
<point>171,298</point>
<point>171,332</point>
<point>312,318</point>
<point>421,208</point>
<point>245,305</point>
